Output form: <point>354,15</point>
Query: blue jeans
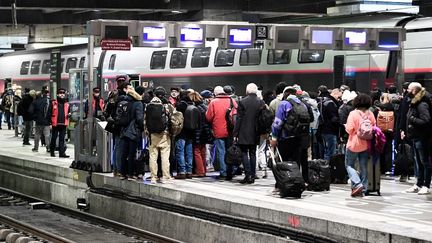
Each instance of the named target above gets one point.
<point>184,147</point>
<point>330,143</point>
<point>421,156</point>
<point>350,160</point>
<point>118,150</point>
<point>220,150</point>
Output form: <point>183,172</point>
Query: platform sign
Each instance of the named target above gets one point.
<point>190,35</point>
<point>116,45</point>
<point>240,36</point>
<point>153,35</point>
<point>322,38</point>
<point>55,71</point>
<point>356,39</point>
<point>390,39</point>
<point>289,37</point>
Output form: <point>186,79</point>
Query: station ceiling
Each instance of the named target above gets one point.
<point>72,12</point>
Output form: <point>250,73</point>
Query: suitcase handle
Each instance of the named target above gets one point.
<point>272,154</point>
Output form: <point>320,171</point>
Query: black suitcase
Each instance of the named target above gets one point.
<point>374,175</point>
<point>288,178</point>
<point>338,171</point>
<point>319,175</point>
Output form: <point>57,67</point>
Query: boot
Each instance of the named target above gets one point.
<point>52,153</point>
<point>63,156</point>
<point>245,180</point>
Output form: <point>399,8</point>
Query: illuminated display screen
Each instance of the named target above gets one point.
<point>355,37</point>
<point>322,37</point>
<point>288,36</point>
<point>388,39</point>
<point>191,34</point>
<point>241,36</point>
<point>116,32</point>
<point>153,33</point>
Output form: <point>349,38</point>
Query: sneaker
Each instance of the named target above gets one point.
<point>153,180</point>
<point>357,191</point>
<point>413,189</point>
<point>167,180</point>
<point>423,191</point>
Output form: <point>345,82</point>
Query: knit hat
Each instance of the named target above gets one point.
<point>160,92</point>
<point>219,90</point>
<point>206,94</point>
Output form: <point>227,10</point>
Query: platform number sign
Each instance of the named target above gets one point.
<point>261,32</point>
<point>55,70</point>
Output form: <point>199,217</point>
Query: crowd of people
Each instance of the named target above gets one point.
<point>186,131</point>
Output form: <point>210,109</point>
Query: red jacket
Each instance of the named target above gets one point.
<point>54,113</point>
<point>215,115</point>
<point>101,104</point>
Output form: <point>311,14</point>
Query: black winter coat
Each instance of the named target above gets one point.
<point>245,128</point>
<point>203,135</point>
<point>39,109</point>
<point>419,117</point>
<point>24,107</point>
<point>344,111</point>
<point>181,106</point>
<point>329,116</point>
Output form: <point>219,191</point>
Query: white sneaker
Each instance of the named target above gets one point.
<point>413,189</point>
<point>153,180</point>
<point>423,191</point>
<point>169,180</point>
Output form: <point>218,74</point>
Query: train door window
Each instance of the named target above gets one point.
<point>201,57</point>
<point>71,63</point>
<point>178,58</point>
<point>111,64</point>
<point>81,62</point>
<point>250,57</point>
<point>311,56</point>
<point>224,57</point>
<point>35,67</point>
<point>46,66</point>
<point>62,64</point>
<point>158,60</point>
<point>278,57</point>
<point>24,68</point>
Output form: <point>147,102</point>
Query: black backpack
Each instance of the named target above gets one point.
<point>298,120</point>
<point>230,120</point>
<point>123,113</point>
<point>264,121</point>
<point>234,155</point>
<point>156,118</point>
<point>319,175</point>
<point>192,118</point>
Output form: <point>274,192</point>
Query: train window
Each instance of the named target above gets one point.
<point>224,57</point>
<point>111,63</point>
<point>278,57</point>
<point>250,57</point>
<point>201,57</point>
<point>46,66</point>
<point>71,63</point>
<point>35,67</point>
<point>81,62</point>
<point>178,58</point>
<point>158,60</point>
<point>311,56</point>
<point>24,68</point>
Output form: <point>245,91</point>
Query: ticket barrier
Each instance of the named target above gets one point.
<point>95,156</point>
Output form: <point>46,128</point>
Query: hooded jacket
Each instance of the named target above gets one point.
<point>136,113</point>
<point>419,117</point>
<point>39,109</point>
<point>274,104</point>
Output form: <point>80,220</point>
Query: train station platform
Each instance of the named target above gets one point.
<point>394,216</point>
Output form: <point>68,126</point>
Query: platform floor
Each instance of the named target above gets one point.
<point>394,212</point>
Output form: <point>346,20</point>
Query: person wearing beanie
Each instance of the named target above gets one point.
<point>216,116</point>
<point>98,104</point>
<point>59,111</point>
<point>207,96</point>
<point>245,133</point>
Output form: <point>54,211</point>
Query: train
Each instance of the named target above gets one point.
<point>201,68</point>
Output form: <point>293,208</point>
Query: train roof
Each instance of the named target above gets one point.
<point>49,49</point>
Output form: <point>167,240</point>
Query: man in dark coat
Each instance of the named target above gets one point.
<point>245,132</point>
<point>23,110</point>
<point>39,109</point>
<point>418,131</point>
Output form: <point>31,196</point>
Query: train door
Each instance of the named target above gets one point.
<point>357,72</point>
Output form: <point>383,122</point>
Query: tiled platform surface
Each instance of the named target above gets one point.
<point>393,217</point>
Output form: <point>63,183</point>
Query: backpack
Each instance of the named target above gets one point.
<point>234,155</point>
<point>156,118</point>
<point>385,120</point>
<point>365,130</point>
<point>122,113</point>
<point>298,119</point>
<point>176,123</point>
<point>8,101</point>
<point>192,118</point>
<point>264,120</point>
<point>230,118</point>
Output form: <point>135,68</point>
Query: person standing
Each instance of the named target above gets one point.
<point>39,111</point>
<point>97,104</point>
<point>418,131</point>
<point>245,130</point>
<point>58,111</point>
<point>23,110</point>
<point>7,103</point>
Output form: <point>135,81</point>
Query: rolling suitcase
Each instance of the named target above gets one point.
<point>288,178</point>
<point>338,171</point>
<point>319,175</point>
<point>374,175</point>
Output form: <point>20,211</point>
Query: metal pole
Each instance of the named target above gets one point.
<point>400,77</point>
<point>90,98</point>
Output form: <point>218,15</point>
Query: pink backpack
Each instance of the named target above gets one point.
<point>365,130</point>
